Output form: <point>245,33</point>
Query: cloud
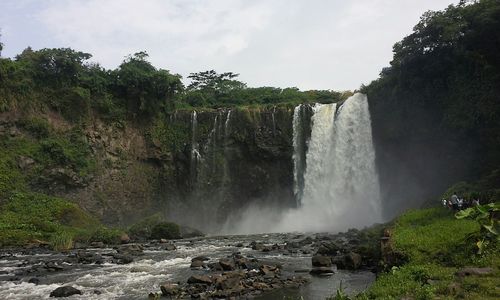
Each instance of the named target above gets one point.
<point>322,44</point>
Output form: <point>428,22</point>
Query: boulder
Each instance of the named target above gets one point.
<point>202,258</point>
<point>169,289</point>
<point>353,261</point>
<point>203,279</point>
<point>197,264</point>
<point>328,249</point>
<point>65,291</point>
<point>124,238</point>
<point>130,249</point>
<point>227,264</point>
<point>170,247</point>
<point>321,261</point>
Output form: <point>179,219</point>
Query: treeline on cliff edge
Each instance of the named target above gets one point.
<point>65,81</point>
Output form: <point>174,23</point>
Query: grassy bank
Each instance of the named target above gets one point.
<point>28,212</point>
<point>435,246</point>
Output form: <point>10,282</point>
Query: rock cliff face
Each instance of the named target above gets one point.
<point>196,168</point>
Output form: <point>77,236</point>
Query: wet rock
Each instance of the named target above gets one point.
<point>197,264</point>
<point>65,291</point>
<point>239,245</point>
<point>34,281</point>
<point>97,245</point>
<point>308,240</point>
<point>202,258</point>
<point>260,286</point>
<point>202,279</point>
<point>353,261</point>
<point>321,261</point>
<point>130,249</point>
<point>227,264</point>
<point>328,249</point>
<point>140,269</point>
<point>89,257</point>
<point>170,247</point>
<point>229,282</point>
<point>257,246</point>
<point>122,259</point>
<point>188,232</point>
<point>322,271</point>
<point>269,271</point>
<point>474,271</point>
<point>169,289</point>
<point>124,238</point>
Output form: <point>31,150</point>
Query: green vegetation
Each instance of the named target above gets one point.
<point>436,245</point>
<point>442,92</point>
<point>27,217</point>
<point>166,230</point>
<point>63,80</point>
<point>489,222</point>
<point>154,227</point>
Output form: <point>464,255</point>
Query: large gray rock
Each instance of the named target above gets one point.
<point>227,264</point>
<point>321,261</point>
<point>65,291</point>
<point>353,261</point>
<point>203,279</point>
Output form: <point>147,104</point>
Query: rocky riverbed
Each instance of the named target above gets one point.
<point>252,266</point>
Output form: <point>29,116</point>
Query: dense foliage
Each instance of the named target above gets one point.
<point>436,109</point>
<point>66,81</point>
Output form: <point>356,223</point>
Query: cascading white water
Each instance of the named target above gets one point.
<point>341,187</point>
<point>195,153</point>
<point>298,153</point>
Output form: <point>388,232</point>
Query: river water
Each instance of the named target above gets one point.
<point>157,266</point>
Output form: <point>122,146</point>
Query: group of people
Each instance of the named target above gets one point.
<point>458,203</point>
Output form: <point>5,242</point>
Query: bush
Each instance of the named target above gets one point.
<point>142,229</point>
<point>62,241</point>
<point>38,127</point>
<point>166,230</point>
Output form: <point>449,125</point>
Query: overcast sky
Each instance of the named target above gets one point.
<point>310,44</point>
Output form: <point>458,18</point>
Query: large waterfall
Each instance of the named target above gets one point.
<point>335,180</point>
<point>341,187</point>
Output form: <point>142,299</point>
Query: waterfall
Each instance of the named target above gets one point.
<point>195,153</point>
<point>226,124</point>
<point>341,187</point>
<point>335,179</point>
<point>273,120</point>
<point>299,145</point>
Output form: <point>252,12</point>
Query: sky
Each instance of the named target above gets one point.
<point>309,44</point>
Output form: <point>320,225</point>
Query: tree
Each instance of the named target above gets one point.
<point>145,88</point>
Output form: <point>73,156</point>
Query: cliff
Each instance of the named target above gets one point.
<point>195,168</point>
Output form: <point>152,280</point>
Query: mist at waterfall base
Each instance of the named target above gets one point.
<point>337,186</point>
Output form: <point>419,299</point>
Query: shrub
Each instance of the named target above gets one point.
<point>142,229</point>
<point>62,241</point>
<point>166,230</point>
